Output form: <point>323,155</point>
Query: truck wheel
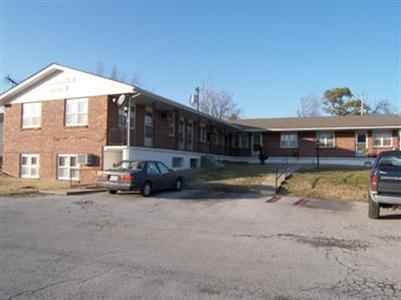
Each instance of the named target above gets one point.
<point>112,191</point>
<point>374,209</point>
<point>146,189</point>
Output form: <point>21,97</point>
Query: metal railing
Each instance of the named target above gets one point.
<point>83,177</point>
<point>281,172</point>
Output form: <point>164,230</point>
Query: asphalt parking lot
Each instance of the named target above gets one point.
<point>195,245</point>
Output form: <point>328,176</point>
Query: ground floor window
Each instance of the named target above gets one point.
<point>240,141</point>
<point>67,167</point>
<point>30,165</point>
<point>382,139</point>
<point>326,139</point>
<point>289,140</point>
<point>177,162</point>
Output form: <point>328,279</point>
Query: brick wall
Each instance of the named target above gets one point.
<point>53,138</point>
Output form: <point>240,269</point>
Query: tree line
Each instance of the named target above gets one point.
<point>342,102</point>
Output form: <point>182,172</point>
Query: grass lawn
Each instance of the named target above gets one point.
<point>336,183</point>
<point>229,178</point>
<point>12,186</point>
<point>328,182</point>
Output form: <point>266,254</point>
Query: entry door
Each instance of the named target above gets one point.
<point>361,140</point>
<point>256,144</point>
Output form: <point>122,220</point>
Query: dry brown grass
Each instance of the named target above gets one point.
<point>345,183</point>
<point>10,185</point>
<point>230,178</point>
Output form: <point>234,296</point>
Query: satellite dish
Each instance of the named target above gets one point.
<point>120,100</point>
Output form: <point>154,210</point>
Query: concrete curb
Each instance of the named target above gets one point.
<point>73,192</point>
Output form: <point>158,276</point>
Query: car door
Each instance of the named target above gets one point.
<point>153,175</point>
<point>168,178</point>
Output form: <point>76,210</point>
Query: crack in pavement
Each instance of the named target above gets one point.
<point>55,284</point>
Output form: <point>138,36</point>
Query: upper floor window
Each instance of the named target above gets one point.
<point>326,139</point>
<point>382,139</point>
<point>289,140</point>
<point>31,115</point>
<point>76,112</point>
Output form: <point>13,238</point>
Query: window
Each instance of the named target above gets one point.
<point>243,142</point>
<point>190,135</point>
<point>289,140</point>
<point>326,139</point>
<point>31,115</point>
<point>76,112</point>
<point>30,165</point>
<point>240,141</point>
<point>148,127</point>
<point>163,168</point>
<point>122,116</point>
<point>177,162</point>
<point>215,137</point>
<point>202,133</point>
<point>382,139</point>
<point>152,169</point>
<point>171,124</point>
<point>67,167</point>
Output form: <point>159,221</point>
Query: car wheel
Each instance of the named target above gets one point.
<point>178,185</point>
<point>146,189</point>
<point>112,192</point>
<point>374,209</point>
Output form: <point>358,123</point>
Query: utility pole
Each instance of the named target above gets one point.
<point>362,103</point>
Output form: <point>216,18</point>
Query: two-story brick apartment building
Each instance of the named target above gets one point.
<point>61,120</point>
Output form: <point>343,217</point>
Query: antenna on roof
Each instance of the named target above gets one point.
<point>10,80</point>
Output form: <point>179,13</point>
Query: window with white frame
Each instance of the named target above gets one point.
<point>326,139</point>
<point>171,123</point>
<point>202,133</point>
<point>31,115</point>
<point>76,112</point>
<point>67,167</point>
<point>289,140</point>
<point>122,116</point>
<point>382,139</point>
<point>29,165</point>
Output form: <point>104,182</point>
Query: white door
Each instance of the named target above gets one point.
<point>361,144</point>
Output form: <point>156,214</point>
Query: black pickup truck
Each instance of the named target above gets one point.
<point>385,183</point>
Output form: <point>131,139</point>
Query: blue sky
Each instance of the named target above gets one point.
<point>267,54</point>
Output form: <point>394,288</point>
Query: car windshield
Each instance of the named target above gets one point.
<point>391,161</point>
<point>128,165</point>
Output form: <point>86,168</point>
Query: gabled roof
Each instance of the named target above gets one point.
<point>114,87</point>
<point>323,123</point>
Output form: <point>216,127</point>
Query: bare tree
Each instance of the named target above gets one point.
<point>116,74</point>
<point>218,103</point>
<point>309,106</point>
<point>382,107</point>
<point>100,69</point>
